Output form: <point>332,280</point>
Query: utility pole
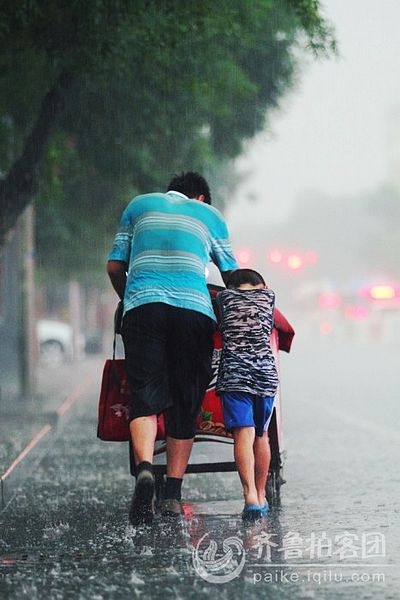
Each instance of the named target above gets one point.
<point>29,337</point>
<point>75,310</point>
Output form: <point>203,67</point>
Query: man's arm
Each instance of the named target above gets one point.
<point>116,270</point>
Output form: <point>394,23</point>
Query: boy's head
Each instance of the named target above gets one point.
<point>245,279</point>
<point>192,185</point>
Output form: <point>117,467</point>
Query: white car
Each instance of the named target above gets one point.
<point>55,340</point>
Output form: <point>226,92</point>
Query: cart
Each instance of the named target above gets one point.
<point>213,446</point>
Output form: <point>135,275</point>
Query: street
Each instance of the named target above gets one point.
<point>65,531</point>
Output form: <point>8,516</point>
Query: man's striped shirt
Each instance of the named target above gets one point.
<point>166,241</point>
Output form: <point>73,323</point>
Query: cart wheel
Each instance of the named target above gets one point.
<point>273,489</point>
<point>132,466</point>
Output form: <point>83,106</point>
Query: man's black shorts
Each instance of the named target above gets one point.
<point>168,354</point>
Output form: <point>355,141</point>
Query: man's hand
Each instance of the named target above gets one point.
<point>116,270</point>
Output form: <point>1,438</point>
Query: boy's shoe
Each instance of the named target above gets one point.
<point>252,512</point>
<point>142,505</point>
<point>264,509</point>
<point>171,508</point>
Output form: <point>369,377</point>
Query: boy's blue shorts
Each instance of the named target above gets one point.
<point>242,409</point>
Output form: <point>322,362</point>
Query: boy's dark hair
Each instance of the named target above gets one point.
<point>240,276</point>
<point>191,184</point>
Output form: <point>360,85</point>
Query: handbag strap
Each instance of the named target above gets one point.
<point>117,323</point>
<point>114,345</point>
<point>117,329</point>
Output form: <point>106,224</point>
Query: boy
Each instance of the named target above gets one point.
<point>247,380</point>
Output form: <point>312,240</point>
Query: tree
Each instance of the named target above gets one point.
<point>113,95</point>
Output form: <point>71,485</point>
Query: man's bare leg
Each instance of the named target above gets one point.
<point>143,433</point>
<point>178,454</point>
<point>262,458</point>
<point>244,457</point>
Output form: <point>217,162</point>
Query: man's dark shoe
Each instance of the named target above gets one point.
<point>142,505</point>
<point>171,508</point>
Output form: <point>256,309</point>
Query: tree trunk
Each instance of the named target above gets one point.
<point>21,184</point>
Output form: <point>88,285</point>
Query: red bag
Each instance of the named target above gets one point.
<point>113,412</point>
<point>113,423</point>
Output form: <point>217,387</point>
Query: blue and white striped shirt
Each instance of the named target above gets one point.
<point>166,241</point>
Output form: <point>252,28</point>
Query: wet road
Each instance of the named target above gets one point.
<point>336,534</point>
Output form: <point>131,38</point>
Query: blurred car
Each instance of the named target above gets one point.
<point>360,312</point>
<point>383,302</point>
<point>55,340</point>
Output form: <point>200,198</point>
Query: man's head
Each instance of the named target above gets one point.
<point>245,279</point>
<point>192,185</point>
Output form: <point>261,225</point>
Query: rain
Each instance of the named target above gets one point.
<point>312,202</point>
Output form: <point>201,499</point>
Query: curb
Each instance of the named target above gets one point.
<point>46,429</point>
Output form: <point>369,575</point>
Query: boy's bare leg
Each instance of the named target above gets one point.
<point>244,457</point>
<point>262,458</point>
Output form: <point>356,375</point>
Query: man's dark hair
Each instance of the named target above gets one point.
<point>191,184</point>
<point>240,276</point>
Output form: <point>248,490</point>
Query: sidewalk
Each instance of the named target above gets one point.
<point>25,419</point>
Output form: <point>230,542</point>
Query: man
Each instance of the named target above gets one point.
<point>157,266</point>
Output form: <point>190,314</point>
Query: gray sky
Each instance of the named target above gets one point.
<point>331,134</point>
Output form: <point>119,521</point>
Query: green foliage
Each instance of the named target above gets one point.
<point>158,87</point>
<point>320,34</point>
